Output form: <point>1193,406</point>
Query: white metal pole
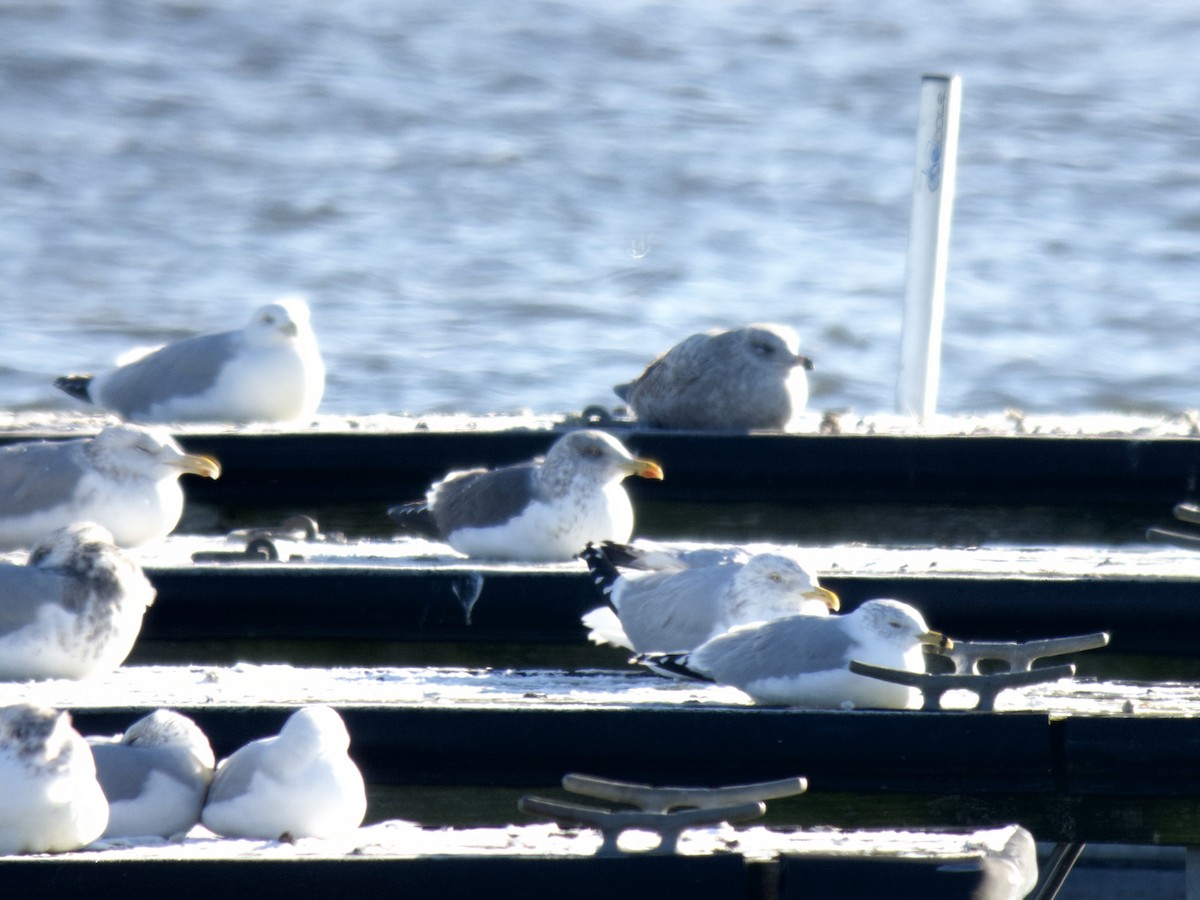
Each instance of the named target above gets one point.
<point>928,245</point>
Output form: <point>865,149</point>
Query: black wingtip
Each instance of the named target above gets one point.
<point>604,573</point>
<point>75,385</point>
<point>622,555</point>
<point>415,518</point>
<point>672,665</point>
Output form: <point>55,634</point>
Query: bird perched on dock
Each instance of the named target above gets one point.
<point>540,511</point>
<point>74,610</point>
<point>126,478</point>
<point>301,783</point>
<point>804,660</point>
<point>155,775</point>
<point>744,378</point>
<point>270,370</point>
<point>679,609</point>
<point>52,802</point>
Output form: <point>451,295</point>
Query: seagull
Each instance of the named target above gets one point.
<point>679,609</point>
<point>740,379</point>
<point>804,660</point>
<point>268,371</point>
<point>540,511</point>
<point>155,775</point>
<point>125,478</point>
<point>51,802</point>
<point>74,610</point>
<point>301,783</point>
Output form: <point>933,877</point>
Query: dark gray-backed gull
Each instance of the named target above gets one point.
<point>544,510</point>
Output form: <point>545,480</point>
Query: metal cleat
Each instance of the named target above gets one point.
<point>664,799</point>
<point>1020,657</point>
<point>1189,514</point>
<point>664,811</point>
<point>985,687</point>
<point>262,544</point>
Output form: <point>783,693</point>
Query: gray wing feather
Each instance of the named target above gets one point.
<point>23,591</point>
<point>675,610</point>
<point>123,770</point>
<point>478,499</point>
<point>234,775</point>
<point>37,476</point>
<point>180,369</point>
<point>779,649</point>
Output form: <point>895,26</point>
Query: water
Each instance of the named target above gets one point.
<point>495,207</point>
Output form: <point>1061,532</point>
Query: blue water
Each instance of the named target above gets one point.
<point>506,206</point>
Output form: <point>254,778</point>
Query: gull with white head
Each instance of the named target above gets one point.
<point>270,370</point>
<point>125,478</point>
<point>300,783</point>
<point>155,775</point>
<point>681,608</point>
<point>804,660</point>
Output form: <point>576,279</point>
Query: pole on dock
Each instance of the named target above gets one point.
<point>928,245</point>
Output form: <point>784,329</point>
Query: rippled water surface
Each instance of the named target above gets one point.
<point>493,207</point>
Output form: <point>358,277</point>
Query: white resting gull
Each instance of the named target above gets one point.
<point>680,609</point>
<point>745,378</point>
<point>803,660</point>
<point>301,783</point>
<point>126,478</point>
<point>50,801</point>
<point>270,370</point>
<point>74,610</point>
<point>155,775</point>
<point>540,511</point>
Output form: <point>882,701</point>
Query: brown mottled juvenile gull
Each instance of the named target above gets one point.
<point>301,783</point>
<point>126,478</point>
<point>744,378</point>
<point>50,801</point>
<point>74,610</point>
<point>268,371</point>
<point>539,511</point>
<point>804,660</point>
<point>680,609</point>
<point>155,775</point>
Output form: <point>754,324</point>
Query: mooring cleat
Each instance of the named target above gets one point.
<point>1020,656</point>
<point>985,687</point>
<point>611,825</point>
<point>651,799</point>
<point>665,811</point>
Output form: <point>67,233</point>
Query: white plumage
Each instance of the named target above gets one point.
<point>74,610</point>
<point>301,783</point>
<point>50,801</point>
<point>126,479</point>
<point>270,370</point>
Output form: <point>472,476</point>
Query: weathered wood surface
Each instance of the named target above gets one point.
<point>399,859</point>
<point>1057,478</point>
<point>412,591</point>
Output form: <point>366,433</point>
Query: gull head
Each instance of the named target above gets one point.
<point>136,451</point>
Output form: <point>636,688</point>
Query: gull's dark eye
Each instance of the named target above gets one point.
<point>762,349</point>
<point>775,577</point>
<point>593,452</point>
